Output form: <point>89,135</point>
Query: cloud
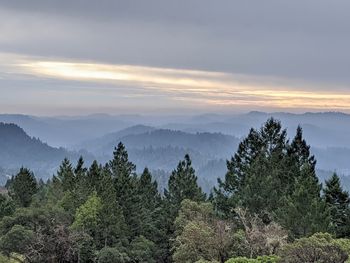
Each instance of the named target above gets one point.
<point>194,54</point>
<point>296,39</point>
<point>202,89</point>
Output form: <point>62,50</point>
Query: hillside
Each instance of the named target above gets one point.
<point>19,149</point>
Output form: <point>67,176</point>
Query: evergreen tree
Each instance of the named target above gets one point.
<point>7,206</point>
<point>338,202</point>
<point>150,213</point>
<point>257,176</point>
<point>300,151</point>
<point>23,187</point>
<point>94,176</point>
<point>304,212</point>
<point>114,228</point>
<point>149,201</point>
<point>81,190</point>
<point>125,184</point>
<point>301,162</point>
<point>183,185</point>
<point>66,175</point>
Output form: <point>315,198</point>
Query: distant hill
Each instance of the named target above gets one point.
<point>18,149</point>
<point>160,141</point>
<point>66,131</point>
<point>215,145</point>
<point>162,149</point>
<point>94,145</point>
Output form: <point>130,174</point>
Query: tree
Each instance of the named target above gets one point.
<point>94,177</point>
<point>7,206</point>
<point>81,190</point>
<point>112,255</point>
<point>88,215</point>
<point>114,228</point>
<point>319,248</point>
<point>17,240</point>
<point>200,235</point>
<point>125,184</point>
<point>142,250</point>
<point>23,187</point>
<point>261,238</point>
<point>183,185</point>
<point>149,212</point>
<point>257,176</point>
<point>338,202</point>
<point>66,175</point>
<point>304,212</point>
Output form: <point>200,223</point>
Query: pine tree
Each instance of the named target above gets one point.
<point>66,175</point>
<point>81,191</point>
<point>338,202</point>
<point>257,176</point>
<point>23,187</point>
<point>114,228</point>
<point>124,177</point>
<point>94,176</point>
<point>183,185</point>
<point>304,212</point>
<point>150,213</point>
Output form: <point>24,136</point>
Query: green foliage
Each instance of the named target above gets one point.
<point>125,182</point>
<point>17,240</point>
<point>110,214</point>
<point>257,171</point>
<point>200,235</point>
<point>66,175</point>
<point>7,206</point>
<point>23,187</point>
<point>275,179</point>
<point>183,185</point>
<point>304,212</point>
<point>338,202</point>
<point>15,258</point>
<point>317,248</point>
<point>87,217</point>
<point>112,255</point>
<point>142,250</point>
<point>260,259</point>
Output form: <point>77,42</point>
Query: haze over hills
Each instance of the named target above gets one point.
<point>160,141</point>
<point>17,149</point>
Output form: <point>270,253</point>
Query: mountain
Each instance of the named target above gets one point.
<point>66,131</point>
<point>208,145</point>
<point>93,145</point>
<point>19,149</point>
<point>159,141</point>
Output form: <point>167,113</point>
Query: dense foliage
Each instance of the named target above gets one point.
<point>269,208</point>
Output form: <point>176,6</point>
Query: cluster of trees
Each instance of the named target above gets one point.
<point>269,208</point>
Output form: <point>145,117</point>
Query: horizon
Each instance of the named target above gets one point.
<point>152,114</point>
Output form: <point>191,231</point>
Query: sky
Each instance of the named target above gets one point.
<point>64,57</point>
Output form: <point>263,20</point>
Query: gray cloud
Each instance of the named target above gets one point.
<point>302,42</point>
<point>297,39</point>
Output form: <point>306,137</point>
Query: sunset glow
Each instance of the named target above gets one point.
<point>198,87</point>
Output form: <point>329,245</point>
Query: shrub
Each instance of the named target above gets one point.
<point>261,259</point>
<point>320,248</point>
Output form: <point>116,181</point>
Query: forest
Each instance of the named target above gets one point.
<point>269,207</point>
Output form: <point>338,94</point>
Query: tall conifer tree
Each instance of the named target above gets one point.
<point>338,202</point>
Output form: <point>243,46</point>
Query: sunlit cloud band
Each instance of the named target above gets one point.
<point>201,88</point>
